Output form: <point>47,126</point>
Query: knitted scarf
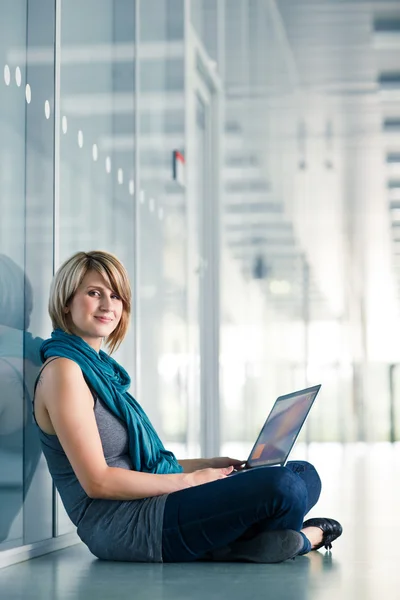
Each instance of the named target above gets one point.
<point>110,382</point>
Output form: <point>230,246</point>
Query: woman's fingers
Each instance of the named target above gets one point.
<point>227,470</point>
<point>226,461</point>
<point>237,463</point>
<point>207,475</point>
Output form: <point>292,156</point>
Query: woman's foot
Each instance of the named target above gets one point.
<point>314,535</point>
<point>322,532</point>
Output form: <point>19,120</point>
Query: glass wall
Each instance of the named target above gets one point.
<point>97,153</point>
<point>162,222</point>
<point>39,263</point>
<point>26,261</point>
<point>12,310</point>
<point>91,116</point>
<point>263,301</point>
<point>304,218</point>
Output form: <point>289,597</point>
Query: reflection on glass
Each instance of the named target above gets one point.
<point>18,76</point>
<point>95,152</point>
<point>19,366</point>
<point>47,109</point>
<point>26,194</point>
<point>28,93</point>
<point>12,308</point>
<point>7,75</point>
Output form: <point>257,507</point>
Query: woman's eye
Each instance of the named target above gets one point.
<point>93,292</point>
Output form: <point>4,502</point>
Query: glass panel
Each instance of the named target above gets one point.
<point>198,323</point>
<point>393,376</point>
<point>26,151</point>
<point>13,306</point>
<point>263,283</point>
<point>204,16</point>
<point>97,138</point>
<point>38,512</point>
<point>163,348</point>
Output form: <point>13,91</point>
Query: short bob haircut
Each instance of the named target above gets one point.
<point>70,276</point>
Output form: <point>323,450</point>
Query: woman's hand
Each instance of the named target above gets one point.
<point>206,476</point>
<point>220,462</point>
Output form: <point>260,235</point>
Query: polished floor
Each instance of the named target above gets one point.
<point>361,489</point>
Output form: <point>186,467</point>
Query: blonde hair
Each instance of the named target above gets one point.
<point>69,277</point>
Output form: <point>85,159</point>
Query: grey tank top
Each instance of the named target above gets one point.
<point>112,529</point>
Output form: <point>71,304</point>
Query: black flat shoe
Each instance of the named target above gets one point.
<point>265,547</point>
<point>331,530</point>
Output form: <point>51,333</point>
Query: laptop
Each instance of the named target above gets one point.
<point>281,429</point>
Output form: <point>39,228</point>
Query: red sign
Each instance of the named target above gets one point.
<point>179,167</point>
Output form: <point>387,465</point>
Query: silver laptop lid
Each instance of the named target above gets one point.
<point>281,428</point>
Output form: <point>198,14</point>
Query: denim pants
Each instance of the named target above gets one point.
<point>210,516</point>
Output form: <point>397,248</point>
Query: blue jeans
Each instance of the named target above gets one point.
<point>210,516</point>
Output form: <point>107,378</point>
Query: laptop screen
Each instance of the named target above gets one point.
<point>282,428</point>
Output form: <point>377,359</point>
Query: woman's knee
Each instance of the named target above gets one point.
<point>301,466</point>
<point>288,489</point>
<point>309,474</point>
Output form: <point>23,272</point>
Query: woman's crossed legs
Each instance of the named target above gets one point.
<point>205,518</point>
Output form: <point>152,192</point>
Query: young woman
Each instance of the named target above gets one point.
<point>129,497</point>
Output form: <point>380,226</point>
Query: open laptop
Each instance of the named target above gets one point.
<point>281,429</point>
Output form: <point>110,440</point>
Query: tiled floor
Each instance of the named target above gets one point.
<point>361,489</point>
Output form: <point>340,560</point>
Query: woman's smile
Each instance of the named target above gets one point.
<point>104,319</point>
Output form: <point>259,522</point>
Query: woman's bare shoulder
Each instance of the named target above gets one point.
<point>59,370</point>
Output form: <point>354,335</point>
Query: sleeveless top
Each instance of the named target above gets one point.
<point>112,529</point>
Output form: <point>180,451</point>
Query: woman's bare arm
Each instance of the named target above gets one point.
<point>69,403</point>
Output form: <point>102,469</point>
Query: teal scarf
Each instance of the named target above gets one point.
<point>110,382</point>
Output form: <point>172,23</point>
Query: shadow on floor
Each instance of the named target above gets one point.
<point>74,573</point>
<point>292,580</point>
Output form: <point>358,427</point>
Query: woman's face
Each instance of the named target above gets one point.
<point>95,310</point>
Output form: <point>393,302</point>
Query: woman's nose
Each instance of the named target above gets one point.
<point>106,303</point>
